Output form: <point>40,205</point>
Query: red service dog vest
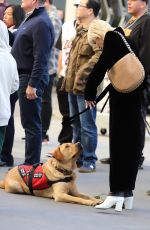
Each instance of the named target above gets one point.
<point>35,178</point>
<point>39,179</point>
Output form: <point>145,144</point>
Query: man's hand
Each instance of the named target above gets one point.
<point>31,93</point>
<point>90,104</point>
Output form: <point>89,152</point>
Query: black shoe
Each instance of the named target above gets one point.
<point>45,140</point>
<point>105,161</point>
<point>79,164</point>
<point>10,164</point>
<point>2,163</point>
<point>9,160</point>
<point>148,192</point>
<point>141,162</point>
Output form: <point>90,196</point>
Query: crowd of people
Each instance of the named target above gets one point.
<point>78,54</point>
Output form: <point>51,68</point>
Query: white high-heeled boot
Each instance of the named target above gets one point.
<point>111,201</point>
<point>128,202</point>
<point>128,199</point>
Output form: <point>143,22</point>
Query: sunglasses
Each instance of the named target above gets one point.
<point>80,5</point>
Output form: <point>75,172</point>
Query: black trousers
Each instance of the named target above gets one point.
<point>2,136</point>
<point>30,111</point>
<point>6,153</point>
<point>127,130</point>
<point>66,131</point>
<point>46,113</point>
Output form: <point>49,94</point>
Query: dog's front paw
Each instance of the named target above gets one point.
<point>97,201</point>
<point>94,202</point>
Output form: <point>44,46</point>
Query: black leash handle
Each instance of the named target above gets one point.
<point>99,98</point>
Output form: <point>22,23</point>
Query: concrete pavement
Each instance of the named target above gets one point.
<point>28,212</point>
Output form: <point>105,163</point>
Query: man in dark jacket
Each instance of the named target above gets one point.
<point>137,29</point>
<point>47,95</point>
<point>31,49</point>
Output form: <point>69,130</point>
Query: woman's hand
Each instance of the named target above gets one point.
<point>90,104</point>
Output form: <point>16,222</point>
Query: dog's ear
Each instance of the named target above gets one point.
<point>57,154</point>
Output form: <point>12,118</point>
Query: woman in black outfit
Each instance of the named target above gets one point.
<point>125,125</point>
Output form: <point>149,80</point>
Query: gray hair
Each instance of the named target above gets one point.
<point>97,28</point>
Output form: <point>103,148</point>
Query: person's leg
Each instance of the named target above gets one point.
<point>6,154</point>
<point>30,111</point>
<point>125,148</point>
<point>73,109</point>
<point>125,139</point>
<point>46,113</point>
<point>65,134</point>
<point>88,135</point>
<point>2,136</point>
<point>144,100</point>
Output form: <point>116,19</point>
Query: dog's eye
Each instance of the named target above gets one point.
<point>67,146</point>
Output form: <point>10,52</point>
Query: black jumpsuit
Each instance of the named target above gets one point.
<point>125,117</point>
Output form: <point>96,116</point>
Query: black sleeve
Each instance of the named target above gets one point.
<point>144,49</point>
<point>59,43</point>
<point>43,40</point>
<point>11,38</point>
<point>114,49</point>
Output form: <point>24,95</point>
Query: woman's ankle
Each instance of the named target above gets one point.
<point>128,193</point>
<point>119,194</point>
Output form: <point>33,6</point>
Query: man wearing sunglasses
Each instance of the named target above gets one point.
<point>81,61</point>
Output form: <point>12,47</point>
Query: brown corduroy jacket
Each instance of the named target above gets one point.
<point>81,61</point>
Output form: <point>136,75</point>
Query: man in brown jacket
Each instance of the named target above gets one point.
<point>81,62</point>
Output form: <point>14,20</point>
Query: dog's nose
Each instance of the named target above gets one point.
<point>79,144</point>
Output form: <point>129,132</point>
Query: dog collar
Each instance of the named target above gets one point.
<point>64,171</point>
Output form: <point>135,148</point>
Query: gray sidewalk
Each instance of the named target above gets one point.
<point>28,212</point>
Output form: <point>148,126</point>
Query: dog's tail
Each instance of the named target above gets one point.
<point>2,184</point>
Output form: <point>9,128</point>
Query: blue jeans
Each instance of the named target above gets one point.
<point>84,128</point>
<point>30,111</point>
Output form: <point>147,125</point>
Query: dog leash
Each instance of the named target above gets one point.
<point>98,99</point>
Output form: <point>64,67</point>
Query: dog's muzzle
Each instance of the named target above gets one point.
<point>79,145</point>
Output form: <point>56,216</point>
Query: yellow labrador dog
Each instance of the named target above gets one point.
<point>54,179</point>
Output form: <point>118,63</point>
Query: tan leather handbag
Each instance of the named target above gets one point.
<point>128,73</point>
